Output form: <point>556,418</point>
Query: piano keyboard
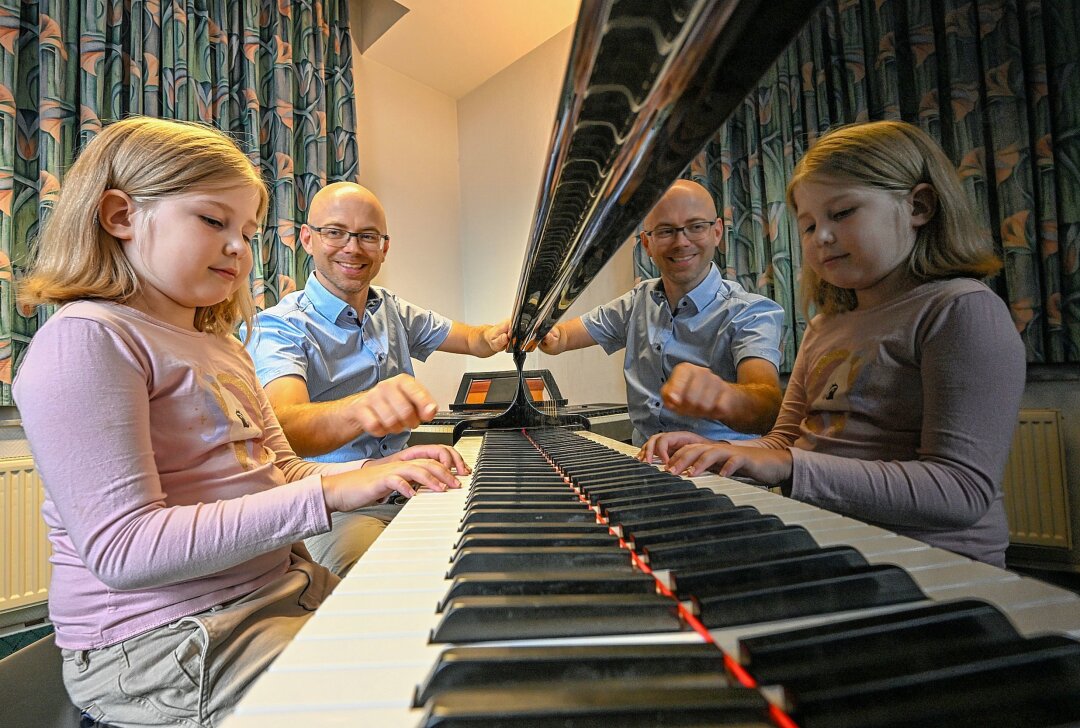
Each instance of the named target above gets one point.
<point>736,607</point>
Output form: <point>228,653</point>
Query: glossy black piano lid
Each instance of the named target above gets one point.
<point>648,83</point>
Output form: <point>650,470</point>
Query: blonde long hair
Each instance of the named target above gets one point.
<point>896,156</point>
<point>149,160</point>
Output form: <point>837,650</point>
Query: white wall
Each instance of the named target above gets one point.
<point>459,181</point>
<point>407,135</point>
<point>504,129</point>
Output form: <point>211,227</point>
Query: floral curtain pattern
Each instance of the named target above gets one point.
<point>275,75</point>
<point>994,81</point>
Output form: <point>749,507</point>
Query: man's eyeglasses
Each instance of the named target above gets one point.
<point>338,238</point>
<point>693,231</point>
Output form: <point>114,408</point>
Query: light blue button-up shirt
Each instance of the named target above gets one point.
<point>716,325</point>
<point>340,351</point>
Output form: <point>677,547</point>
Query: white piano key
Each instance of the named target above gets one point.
<point>394,583</point>
<point>372,687</point>
<point>1057,618</point>
<point>310,652</point>
<point>354,603</point>
<point>401,622</point>
<point>246,717</point>
<point>958,575</point>
<point>1009,594</point>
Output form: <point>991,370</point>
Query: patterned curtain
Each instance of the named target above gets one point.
<point>994,81</point>
<point>275,75</point>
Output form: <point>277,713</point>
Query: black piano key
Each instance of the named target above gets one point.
<point>600,704</point>
<point>875,587</point>
<point>502,527</point>
<point>523,496</point>
<point>518,470</point>
<point>577,581</point>
<point>684,534</point>
<point>598,463</point>
<point>830,561</point>
<point>522,481</point>
<point>564,515</point>
<point>541,471</point>
<point>513,491</point>
<point>613,472</point>
<point>693,502</point>
<point>731,550</point>
<point>485,619</point>
<point>562,538</point>
<point>603,483</point>
<point>775,657</point>
<point>640,493</point>
<point>534,558</point>
<point>500,667</point>
<point>629,528</point>
<point>506,504</point>
<point>878,667</point>
<point>1038,687</point>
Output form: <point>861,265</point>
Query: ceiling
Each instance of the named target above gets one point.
<point>454,46</point>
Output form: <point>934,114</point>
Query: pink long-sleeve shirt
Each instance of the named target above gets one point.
<point>902,414</point>
<point>170,487</point>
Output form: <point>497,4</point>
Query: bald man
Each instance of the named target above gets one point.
<point>702,354</point>
<point>335,358</point>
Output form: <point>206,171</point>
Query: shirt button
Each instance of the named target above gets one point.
<point>658,347</point>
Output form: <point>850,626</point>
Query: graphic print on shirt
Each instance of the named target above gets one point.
<point>238,407</point>
<point>828,391</point>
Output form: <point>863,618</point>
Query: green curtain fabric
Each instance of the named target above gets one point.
<point>275,75</point>
<point>994,81</point>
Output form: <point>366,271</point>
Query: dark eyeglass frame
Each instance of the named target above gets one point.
<point>685,230</point>
<point>378,241</point>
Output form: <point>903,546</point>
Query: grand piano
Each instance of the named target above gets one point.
<point>567,584</point>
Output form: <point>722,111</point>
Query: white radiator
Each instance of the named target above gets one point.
<point>1036,496</point>
<point>24,543</point>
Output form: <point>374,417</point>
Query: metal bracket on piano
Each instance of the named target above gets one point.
<point>521,412</point>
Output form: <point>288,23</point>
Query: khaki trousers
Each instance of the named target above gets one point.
<point>350,536</point>
<point>193,672</point>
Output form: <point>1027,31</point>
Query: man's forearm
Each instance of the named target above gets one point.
<point>316,428</point>
<point>478,345</point>
<point>750,408</point>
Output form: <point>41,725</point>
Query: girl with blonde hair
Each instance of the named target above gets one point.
<point>903,398</point>
<point>173,499</point>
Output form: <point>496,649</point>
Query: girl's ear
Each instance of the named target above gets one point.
<point>116,211</point>
<point>924,203</point>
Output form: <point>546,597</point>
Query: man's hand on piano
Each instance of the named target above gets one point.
<point>553,342</point>
<point>662,445</point>
<point>497,336</point>
<point>445,454</point>
<point>379,478</point>
<point>694,391</point>
<point>393,405</point>
<point>764,465</point>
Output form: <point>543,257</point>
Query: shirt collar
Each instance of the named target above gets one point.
<point>711,286</point>
<point>330,306</point>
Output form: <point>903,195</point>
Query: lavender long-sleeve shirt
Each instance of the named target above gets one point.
<point>902,414</point>
<point>170,487</point>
